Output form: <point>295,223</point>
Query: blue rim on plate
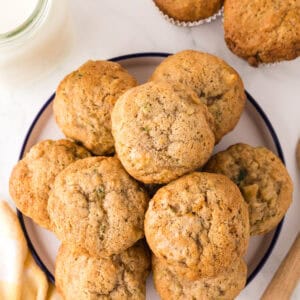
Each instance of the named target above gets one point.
<point>155,54</point>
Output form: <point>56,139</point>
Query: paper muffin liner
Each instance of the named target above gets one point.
<point>269,65</point>
<point>190,23</point>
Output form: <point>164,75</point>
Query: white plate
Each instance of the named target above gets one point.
<point>254,128</point>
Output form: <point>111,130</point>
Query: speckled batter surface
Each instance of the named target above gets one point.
<point>262,179</point>
<point>217,84</point>
<point>199,224</point>
<point>225,286</point>
<point>263,31</point>
<point>161,131</point>
<point>84,101</point>
<point>33,176</point>
<point>123,276</point>
<point>97,207</point>
<point>189,10</point>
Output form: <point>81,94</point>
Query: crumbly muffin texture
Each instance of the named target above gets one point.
<point>189,10</point>
<point>33,176</point>
<point>262,179</point>
<point>198,224</point>
<point>97,207</point>
<point>161,131</point>
<point>84,101</point>
<point>263,31</point>
<point>217,84</point>
<point>79,276</point>
<point>224,286</point>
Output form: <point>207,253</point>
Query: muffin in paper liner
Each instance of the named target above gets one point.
<point>190,23</point>
<point>273,31</point>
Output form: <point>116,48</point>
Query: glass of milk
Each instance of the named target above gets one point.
<point>34,36</point>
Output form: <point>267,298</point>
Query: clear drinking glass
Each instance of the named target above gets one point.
<point>37,45</point>
<point>26,29</point>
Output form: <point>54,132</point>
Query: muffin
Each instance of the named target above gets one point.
<point>33,176</point>
<point>217,84</point>
<point>84,101</point>
<point>97,207</point>
<point>262,179</point>
<point>263,31</point>
<point>198,224</point>
<point>189,10</point>
<point>161,131</point>
<point>225,286</point>
<point>123,276</point>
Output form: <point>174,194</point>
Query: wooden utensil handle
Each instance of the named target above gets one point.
<point>287,275</point>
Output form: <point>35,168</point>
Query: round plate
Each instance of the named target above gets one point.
<point>254,128</point>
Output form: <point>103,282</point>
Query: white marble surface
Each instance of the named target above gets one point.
<point>107,28</point>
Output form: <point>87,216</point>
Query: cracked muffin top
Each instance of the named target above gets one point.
<point>262,179</point>
<point>33,176</point>
<point>97,207</point>
<point>198,224</point>
<point>189,10</point>
<point>217,85</point>
<point>263,31</point>
<point>123,276</point>
<point>161,131</point>
<point>224,286</point>
<point>84,101</point>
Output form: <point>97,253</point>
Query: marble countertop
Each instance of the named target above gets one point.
<point>108,28</point>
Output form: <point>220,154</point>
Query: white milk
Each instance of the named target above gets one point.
<point>13,13</point>
<point>30,58</point>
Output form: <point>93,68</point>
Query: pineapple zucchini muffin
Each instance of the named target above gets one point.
<point>123,276</point>
<point>97,207</point>
<point>84,101</point>
<point>217,84</point>
<point>224,286</point>
<point>198,224</point>
<point>263,31</point>
<point>189,10</point>
<point>161,131</point>
<point>33,176</point>
<point>262,179</point>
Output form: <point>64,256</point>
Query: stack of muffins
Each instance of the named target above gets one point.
<point>93,206</point>
<point>197,223</point>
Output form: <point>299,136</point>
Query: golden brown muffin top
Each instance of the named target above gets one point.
<point>84,101</point>
<point>189,10</point>
<point>224,286</point>
<point>161,131</point>
<point>198,223</point>
<point>33,176</point>
<point>79,276</point>
<point>97,207</point>
<point>263,31</point>
<point>217,85</point>
<point>262,179</point>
